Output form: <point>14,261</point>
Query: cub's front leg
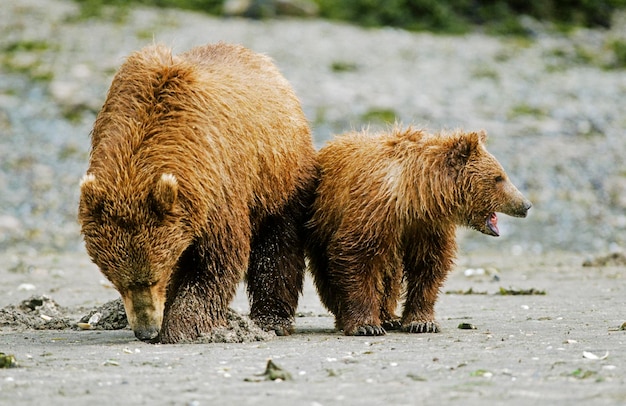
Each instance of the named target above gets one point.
<point>426,267</point>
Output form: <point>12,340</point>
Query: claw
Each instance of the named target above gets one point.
<point>282,330</point>
<point>369,330</point>
<point>422,327</point>
<point>392,324</point>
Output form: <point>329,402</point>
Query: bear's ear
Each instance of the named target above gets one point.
<point>165,193</point>
<point>461,148</point>
<point>90,196</point>
<point>482,136</point>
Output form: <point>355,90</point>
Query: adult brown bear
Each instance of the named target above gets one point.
<point>201,170</point>
<point>386,210</point>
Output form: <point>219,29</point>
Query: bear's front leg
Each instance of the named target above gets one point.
<point>425,268</point>
<point>200,293</point>
<point>393,288</point>
<point>192,314</point>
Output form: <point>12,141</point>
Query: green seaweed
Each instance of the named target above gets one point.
<point>272,373</point>
<point>7,361</point>
<point>515,292</point>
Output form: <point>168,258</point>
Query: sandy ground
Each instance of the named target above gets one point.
<point>525,349</point>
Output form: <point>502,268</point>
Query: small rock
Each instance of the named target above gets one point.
<point>297,8</point>
<point>9,223</point>
<point>270,8</point>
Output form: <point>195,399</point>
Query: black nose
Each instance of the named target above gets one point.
<point>149,334</point>
<point>525,208</point>
<point>521,210</point>
<point>528,205</point>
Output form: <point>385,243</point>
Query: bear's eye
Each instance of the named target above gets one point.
<point>499,179</point>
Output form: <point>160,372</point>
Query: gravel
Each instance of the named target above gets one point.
<point>551,104</point>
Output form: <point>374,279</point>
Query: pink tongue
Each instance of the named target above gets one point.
<point>492,223</point>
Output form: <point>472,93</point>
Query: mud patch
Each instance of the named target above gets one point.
<point>36,312</point>
<point>109,316</point>
<point>240,329</point>
<point>43,313</point>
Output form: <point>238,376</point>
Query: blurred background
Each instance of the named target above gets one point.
<point>545,79</point>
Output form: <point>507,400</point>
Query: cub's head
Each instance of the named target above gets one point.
<point>484,188</point>
<point>135,235</point>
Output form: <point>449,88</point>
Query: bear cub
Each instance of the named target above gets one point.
<point>384,221</point>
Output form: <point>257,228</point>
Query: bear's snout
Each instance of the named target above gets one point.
<point>144,310</point>
<point>520,209</point>
<point>516,204</point>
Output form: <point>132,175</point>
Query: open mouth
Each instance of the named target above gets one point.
<point>491,225</point>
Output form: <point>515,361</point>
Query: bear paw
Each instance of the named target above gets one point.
<point>279,326</point>
<point>392,324</point>
<point>367,330</point>
<point>421,327</point>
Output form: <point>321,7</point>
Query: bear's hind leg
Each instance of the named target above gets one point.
<point>359,291</point>
<point>359,313</point>
<point>276,269</point>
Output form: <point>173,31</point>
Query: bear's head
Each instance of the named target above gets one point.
<point>134,233</point>
<point>483,185</point>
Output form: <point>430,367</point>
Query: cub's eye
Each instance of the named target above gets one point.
<point>499,179</point>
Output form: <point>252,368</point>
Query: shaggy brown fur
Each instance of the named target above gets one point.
<point>386,210</point>
<point>201,169</point>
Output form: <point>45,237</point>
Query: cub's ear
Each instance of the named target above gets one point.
<point>482,136</point>
<point>90,196</point>
<point>460,148</point>
<point>165,193</point>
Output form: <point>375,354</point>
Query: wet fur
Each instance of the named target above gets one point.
<point>226,126</point>
<point>384,222</point>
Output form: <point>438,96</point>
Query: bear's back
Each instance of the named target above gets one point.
<point>215,112</point>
